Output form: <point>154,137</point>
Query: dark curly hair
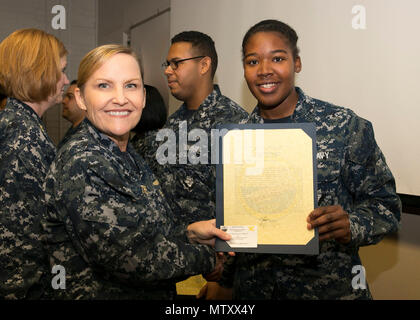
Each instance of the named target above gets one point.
<point>273,26</point>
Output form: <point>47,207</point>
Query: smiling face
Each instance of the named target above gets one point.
<point>114,97</point>
<point>269,70</point>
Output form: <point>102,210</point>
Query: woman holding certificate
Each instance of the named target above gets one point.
<point>357,200</point>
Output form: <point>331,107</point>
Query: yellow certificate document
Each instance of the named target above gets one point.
<point>267,180</point>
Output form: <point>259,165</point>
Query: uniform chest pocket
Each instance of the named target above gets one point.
<point>328,175</point>
<point>104,203</point>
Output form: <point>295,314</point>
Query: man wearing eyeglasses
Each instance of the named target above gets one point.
<point>190,67</point>
<point>190,189</point>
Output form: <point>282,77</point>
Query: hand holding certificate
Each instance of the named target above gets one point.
<point>266,182</point>
<point>332,223</point>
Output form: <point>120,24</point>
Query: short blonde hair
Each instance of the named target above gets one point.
<point>95,58</point>
<point>30,64</point>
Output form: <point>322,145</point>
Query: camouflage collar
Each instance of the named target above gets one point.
<point>212,98</point>
<point>304,109</point>
<point>209,102</point>
<point>23,107</point>
<point>26,110</point>
<point>104,140</point>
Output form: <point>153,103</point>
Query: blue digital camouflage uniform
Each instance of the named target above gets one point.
<point>109,226</point>
<point>26,153</point>
<point>190,188</point>
<point>72,130</point>
<point>352,172</point>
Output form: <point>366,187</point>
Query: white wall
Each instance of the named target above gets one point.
<point>116,17</point>
<point>150,40</point>
<point>372,71</point>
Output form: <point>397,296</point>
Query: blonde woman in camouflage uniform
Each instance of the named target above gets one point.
<point>107,221</point>
<point>32,65</point>
<point>357,200</point>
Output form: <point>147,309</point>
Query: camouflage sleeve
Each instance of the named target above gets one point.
<point>126,237</point>
<point>376,208</point>
<point>22,259</point>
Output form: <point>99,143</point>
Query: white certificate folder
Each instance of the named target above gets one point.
<point>266,182</point>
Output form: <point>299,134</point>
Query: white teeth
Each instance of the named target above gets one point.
<point>118,113</point>
<point>268,85</point>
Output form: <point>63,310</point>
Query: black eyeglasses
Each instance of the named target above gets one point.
<point>174,63</point>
